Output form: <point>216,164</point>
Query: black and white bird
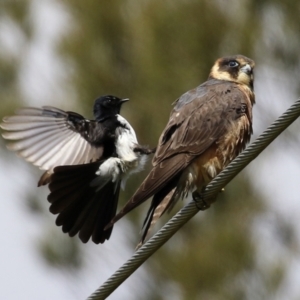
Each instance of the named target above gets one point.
<point>85,161</point>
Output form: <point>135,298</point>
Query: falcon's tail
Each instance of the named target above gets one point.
<point>159,182</point>
<point>154,213</point>
<point>82,206</point>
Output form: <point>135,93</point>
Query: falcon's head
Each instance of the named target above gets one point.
<point>236,68</point>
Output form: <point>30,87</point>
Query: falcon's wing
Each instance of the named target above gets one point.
<point>199,119</point>
<point>50,137</point>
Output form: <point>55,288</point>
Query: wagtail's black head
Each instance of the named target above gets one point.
<point>107,106</point>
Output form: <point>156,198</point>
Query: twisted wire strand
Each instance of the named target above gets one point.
<point>187,212</point>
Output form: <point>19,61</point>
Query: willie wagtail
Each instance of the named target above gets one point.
<point>86,161</point>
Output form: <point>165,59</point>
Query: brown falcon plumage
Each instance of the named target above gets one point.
<point>208,127</point>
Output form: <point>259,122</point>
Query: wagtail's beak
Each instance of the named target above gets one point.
<point>124,100</point>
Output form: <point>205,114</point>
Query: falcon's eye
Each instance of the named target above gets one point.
<point>233,64</point>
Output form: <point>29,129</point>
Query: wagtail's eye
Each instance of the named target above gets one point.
<point>233,64</point>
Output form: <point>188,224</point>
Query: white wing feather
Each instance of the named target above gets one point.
<point>43,137</point>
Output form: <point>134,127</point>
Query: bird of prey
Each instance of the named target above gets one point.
<point>86,161</point>
<point>208,127</point>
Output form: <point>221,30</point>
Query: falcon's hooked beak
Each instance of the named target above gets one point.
<point>246,69</point>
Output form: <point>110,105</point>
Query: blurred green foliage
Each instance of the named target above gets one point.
<point>152,52</point>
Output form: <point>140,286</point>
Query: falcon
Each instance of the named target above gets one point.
<point>208,127</point>
<point>86,161</point>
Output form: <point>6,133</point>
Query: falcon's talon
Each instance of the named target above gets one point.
<point>199,201</point>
